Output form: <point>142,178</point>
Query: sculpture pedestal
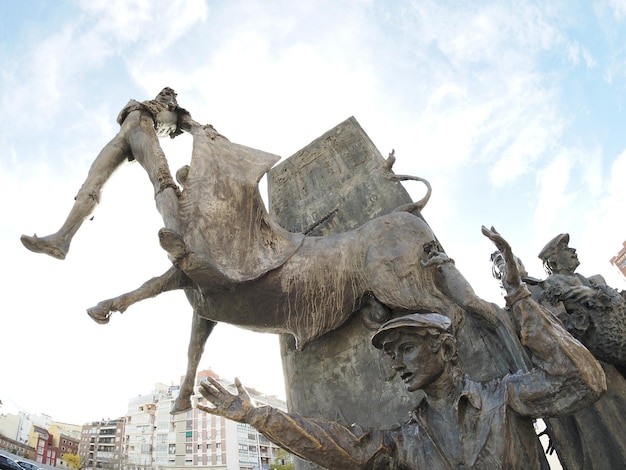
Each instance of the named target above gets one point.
<point>333,185</point>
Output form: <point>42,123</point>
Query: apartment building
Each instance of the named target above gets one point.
<point>156,439</point>
<point>65,437</point>
<point>100,444</point>
<point>42,441</point>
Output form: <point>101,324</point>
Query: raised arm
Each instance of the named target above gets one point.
<point>564,376</point>
<point>329,444</point>
<point>512,278</point>
<point>187,124</point>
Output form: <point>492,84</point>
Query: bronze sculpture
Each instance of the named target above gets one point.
<point>237,265</point>
<point>590,438</point>
<point>459,423</point>
<point>141,125</point>
<point>592,311</point>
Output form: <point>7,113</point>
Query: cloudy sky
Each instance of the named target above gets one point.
<point>514,111</point>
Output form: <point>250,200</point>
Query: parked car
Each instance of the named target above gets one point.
<point>7,463</point>
<point>27,465</point>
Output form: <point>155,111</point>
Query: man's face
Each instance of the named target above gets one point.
<point>567,258</point>
<point>412,358</point>
<point>167,96</point>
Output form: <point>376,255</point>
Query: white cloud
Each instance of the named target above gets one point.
<point>577,54</point>
<point>485,98</point>
<point>553,195</point>
<point>604,229</point>
<point>618,8</point>
<point>524,132</point>
<point>154,24</point>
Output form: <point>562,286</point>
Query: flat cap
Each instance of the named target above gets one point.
<point>414,320</point>
<point>553,245</point>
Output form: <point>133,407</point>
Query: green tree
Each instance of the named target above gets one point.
<point>72,460</point>
<point>283,461</point>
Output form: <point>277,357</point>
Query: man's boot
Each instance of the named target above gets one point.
<point>58,244</point>
<point>54,245</point>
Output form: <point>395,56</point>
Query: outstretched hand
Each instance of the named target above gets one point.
<point>512,280</point>
<point>234,407</point>
<point>492,234</point>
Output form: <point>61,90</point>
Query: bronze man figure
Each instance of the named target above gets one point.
<point>141,125</point>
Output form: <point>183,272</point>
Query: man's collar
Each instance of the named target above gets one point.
<point>470,392</point>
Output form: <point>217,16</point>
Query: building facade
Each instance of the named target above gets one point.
<point>43,443</point>
<point>101,444</point>
<point>619,260</point>
<point>156,439</point>
<point>19,426</point>
<point>66,437</point>
<point>16,448</point>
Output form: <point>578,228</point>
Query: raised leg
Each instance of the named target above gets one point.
<point>58,244</point>
<point>172,279</point>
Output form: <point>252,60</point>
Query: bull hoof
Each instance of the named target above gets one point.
<point>180,406</point>
<point>100,314</point>
<point>173,243</point>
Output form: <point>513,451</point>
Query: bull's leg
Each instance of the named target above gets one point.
<point>200,330</point>
<point>172,279</point>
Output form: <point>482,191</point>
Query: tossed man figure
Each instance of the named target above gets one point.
<point>141,125</point>
<point>457,422</point>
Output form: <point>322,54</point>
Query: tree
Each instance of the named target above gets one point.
<point>72,460</point>
<point>283,461</point>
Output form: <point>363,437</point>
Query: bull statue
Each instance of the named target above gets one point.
<point>234,262</point>
<point>238,266</point>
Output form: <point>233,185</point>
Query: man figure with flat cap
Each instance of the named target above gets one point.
<point>592,312</point>
<point>457,422</point>
<point>558,257</point>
